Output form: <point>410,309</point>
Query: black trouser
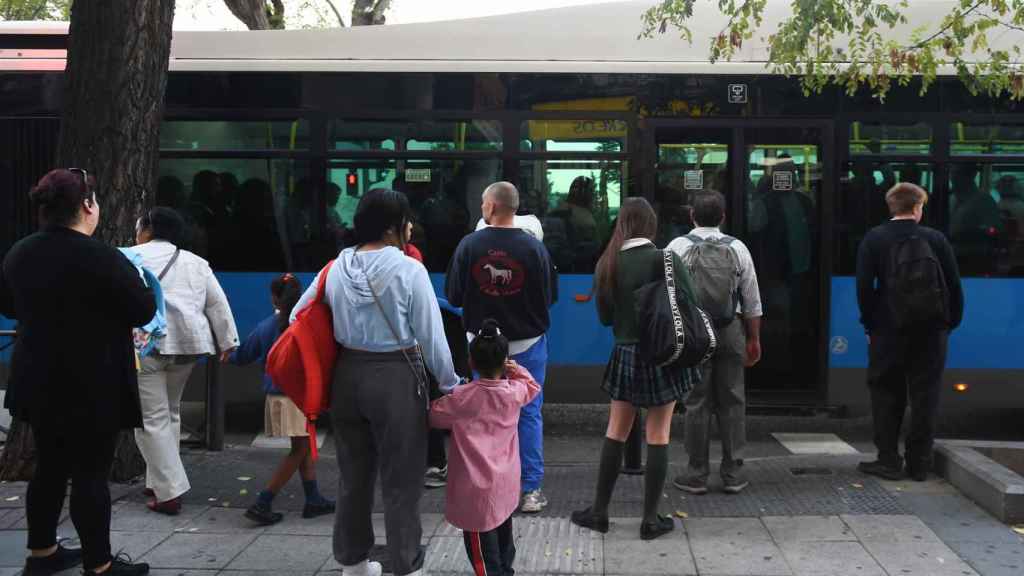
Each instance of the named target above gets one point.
<point>491,553</point>
<point>906,364</point>
<point>84,458</point>
<point>436,456</point>
<point>379,414</point>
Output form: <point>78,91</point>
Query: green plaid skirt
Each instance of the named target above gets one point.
<point>629,379</point>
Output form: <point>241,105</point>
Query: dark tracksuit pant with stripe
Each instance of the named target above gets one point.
<point>491,553</point>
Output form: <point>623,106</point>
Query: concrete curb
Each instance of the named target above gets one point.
<point>991,485</point>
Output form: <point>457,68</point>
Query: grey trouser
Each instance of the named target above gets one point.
<point>720,392</point>
<point>379,416</point>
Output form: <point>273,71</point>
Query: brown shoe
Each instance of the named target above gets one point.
<point>169,507</point>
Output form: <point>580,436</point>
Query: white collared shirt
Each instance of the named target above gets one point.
<point>750,295</point>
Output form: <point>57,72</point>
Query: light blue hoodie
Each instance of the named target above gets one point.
<point>407,296</point>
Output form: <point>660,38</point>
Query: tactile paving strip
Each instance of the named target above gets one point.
<point>543,546</point>
<point>774,491</point>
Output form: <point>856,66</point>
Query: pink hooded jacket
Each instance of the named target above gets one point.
<point>483,467</point>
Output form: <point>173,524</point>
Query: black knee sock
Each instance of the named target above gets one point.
<point>611,462</point>
<point>654,479</point>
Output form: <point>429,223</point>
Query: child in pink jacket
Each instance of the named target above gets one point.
<point>483,467</point>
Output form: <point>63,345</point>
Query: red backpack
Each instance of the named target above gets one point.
<point>301,361</point>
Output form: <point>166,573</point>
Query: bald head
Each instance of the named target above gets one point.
<point>499,204</point>
<point>504,196</point>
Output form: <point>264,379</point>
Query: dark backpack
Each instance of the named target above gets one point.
<point>673,330</point>
<point>916,286</point>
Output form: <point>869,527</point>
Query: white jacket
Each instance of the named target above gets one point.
<point>199,319</point>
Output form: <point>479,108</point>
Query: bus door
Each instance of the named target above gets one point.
<point>775,176</point>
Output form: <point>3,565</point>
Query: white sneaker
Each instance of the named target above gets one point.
<point>364,568</point>
<point>436,477</point>
<point>533,502</point>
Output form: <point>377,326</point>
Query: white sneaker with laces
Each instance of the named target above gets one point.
<point>364,568</point>
<point>533,502</point>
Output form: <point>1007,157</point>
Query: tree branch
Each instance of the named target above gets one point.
<point>337,14</point>
<point>945,28</point>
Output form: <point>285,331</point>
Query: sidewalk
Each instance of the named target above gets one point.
<point>802,515</point>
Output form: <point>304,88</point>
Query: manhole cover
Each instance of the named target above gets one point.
<point>810,471</point>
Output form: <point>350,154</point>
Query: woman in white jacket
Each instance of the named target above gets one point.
<point>199,323</point>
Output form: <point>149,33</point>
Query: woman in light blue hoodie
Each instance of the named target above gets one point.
<point>388,323</point>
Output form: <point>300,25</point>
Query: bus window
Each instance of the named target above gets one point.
<point>577,202</point>
<point>986,215</point>
<point>423,136</point>
<point>444,195</point>
<point>244,214</point>
<point>872,139</point>
<point>234,135</point>
<point>861,203</point>
<point>972,139</point>
<point>587,135</point>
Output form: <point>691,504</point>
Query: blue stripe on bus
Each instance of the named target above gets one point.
<point>989,338</point>
<point>576,336</point>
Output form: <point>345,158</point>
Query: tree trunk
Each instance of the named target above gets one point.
<point>369,12</point>
<point>113,104</point>
<point>258,14</point>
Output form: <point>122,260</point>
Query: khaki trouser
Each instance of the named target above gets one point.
<point>719,393</point>
<point>161,383</point>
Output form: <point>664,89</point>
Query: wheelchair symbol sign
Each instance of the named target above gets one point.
<point>840,345</point>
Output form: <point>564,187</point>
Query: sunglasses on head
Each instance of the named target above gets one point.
<point>85,180</point>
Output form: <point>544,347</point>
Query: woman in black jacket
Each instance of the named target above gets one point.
<point>73,373</point>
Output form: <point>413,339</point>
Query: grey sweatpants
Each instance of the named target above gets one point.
<point>379,415</point>
<point>720,393</point>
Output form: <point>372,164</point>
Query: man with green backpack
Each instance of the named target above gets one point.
<point>726,288</point>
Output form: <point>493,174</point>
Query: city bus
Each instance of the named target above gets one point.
<point>270,138</point>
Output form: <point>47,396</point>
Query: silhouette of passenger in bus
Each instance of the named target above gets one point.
<point>1011,208</point>
<point>256,245</point>
<point>673,216</point>
<point>975,225</point>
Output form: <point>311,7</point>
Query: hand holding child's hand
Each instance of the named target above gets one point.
<point>511,367</point>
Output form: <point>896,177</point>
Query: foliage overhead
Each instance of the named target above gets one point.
<point>35,9</point>
<point>854,43</point>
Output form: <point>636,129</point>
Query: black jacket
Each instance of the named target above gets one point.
<point>75,300</point>
<point>872,267</point>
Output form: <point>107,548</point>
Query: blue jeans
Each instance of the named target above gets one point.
<point>531,424</point>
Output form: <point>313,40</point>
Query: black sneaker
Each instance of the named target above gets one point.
<point>651,530</point>
<point>60,560</point>
<point>122,565</point>
<point>261,514</point>
<point>319,508</point>
<point>882,470</point>
<point>691,484</point>
<point>588,519</point>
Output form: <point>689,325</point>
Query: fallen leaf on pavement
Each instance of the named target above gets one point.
<point>245,478</point>
<point>1019,529</point>
<point>682,514</point>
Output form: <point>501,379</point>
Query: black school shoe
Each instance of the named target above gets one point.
<point>588,519</point>
<point>651,530</point>
<point>62,559</point>
<point>261,514</point>
<point>321,508</point>
<point>917,473</point>
<point>882,470</point>
<point>121,565</point>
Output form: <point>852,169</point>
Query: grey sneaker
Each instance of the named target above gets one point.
<point>734,482</point>
<point>691,484</point>
<point>436,477</point>
<point>533,502</point>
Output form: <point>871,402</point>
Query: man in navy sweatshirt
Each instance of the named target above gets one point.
<point>504,273</point>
